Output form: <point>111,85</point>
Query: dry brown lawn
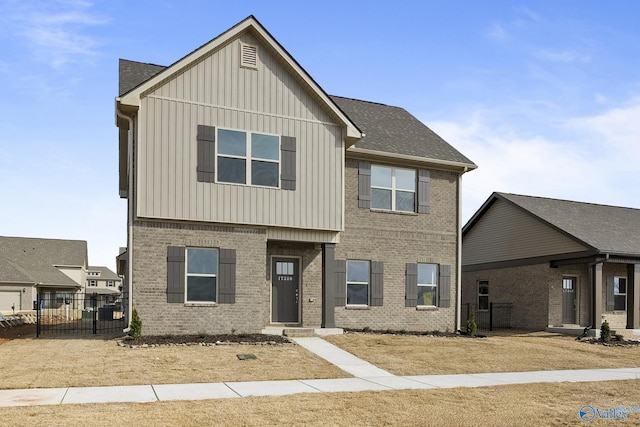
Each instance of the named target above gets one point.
<point>75,362</point>
<point>508,405</point>
<point>509,352</point>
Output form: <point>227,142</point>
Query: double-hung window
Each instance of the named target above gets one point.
<point>427,284</point>
<point>619,293</point>
<point>110,283</point>
<point>393,188</point>
<point>93,282</point>
<point>248,158</point>
<point>358,279</point>
<point>202,275</point>
<point>483,295</point>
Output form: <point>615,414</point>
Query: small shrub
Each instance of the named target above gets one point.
<point>472,328</point>
<point>135,328</point>
<point>618,337</point>
<point>605,332</point>
<point>366,329</point>
<point>202,334</point>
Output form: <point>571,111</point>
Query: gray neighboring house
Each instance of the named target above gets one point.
<point>54,268</point>
<point>102,281</point>
<point>257,200</point>
<point>562,264</point>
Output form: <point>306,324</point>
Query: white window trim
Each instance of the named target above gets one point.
<point>368,283</point>
<point>394,187</point>
<point>483,295</point>
<point>93,282</point>
<point>616,293</point>
<point>187,275</point>
<point>248,158</point>
<point>430,285</point>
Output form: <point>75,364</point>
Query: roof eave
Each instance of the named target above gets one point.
<point>365,153</point>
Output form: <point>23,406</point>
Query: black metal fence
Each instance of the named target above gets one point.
<point>80,313</point>
<point>497,316</point>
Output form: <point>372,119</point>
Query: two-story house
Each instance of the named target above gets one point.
<point>256,199</point>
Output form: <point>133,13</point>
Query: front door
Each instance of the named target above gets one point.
<point>569,300</point>
<point>285,295</point>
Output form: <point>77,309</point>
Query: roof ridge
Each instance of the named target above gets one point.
<point>364,100</point>
<point>568,201</point>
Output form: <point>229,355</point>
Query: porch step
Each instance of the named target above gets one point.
<point>298,332</point>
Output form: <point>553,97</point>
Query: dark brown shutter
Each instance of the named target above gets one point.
<point>288,163</point>
<point>377,283</point>
<point>341,282</point>
<point>444,286</point>
<point>227,276</point>
<point>206,153</point>
<point>364,185</point>
<point>423,190</point>
<point>611,300</point>
<point>175,274</point>
<point>411,285</point>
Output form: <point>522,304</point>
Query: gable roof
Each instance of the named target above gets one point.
<point>105,273</point>
<point>131,97</point>
<point>394,130</point>
<point>33,260</point>
<point>607,229</point>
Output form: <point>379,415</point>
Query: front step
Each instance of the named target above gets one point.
<point>298,332</point>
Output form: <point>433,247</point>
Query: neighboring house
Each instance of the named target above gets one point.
<point>256,199</point>
<point>53,268</point>
<point>560,263</point>
<point>102,281</point>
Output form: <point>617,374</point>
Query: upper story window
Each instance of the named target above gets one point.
<point>393,188</point>
<point>427,284</point>
<point>248,158</point>
<point>202,275</point>
<point>110,283</point>
<point>93,283</point>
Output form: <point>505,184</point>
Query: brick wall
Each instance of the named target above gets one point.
<point>397,239</point>
<point>250,312</point>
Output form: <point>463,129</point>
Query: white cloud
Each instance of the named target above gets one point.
<point>595,160</point>
<point>55,31</point>
<point>497,32</point>
<point>562,56</point>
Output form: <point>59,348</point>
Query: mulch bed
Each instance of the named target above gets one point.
<point>612,343</point>
<point>160,340</point>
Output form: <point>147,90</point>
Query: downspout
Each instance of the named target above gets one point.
<point>130,193</point>
<point>459,262</point>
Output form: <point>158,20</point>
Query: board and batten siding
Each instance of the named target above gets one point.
<point>506,233</point>
<point>218,92</point>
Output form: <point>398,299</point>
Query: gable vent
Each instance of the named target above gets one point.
<point>248,56</point>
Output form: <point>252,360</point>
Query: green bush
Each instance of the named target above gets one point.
<point>472,328</point>
<point>605,332</point>
<point>135,328</point>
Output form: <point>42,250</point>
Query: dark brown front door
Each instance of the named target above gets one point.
<point>569,300</point>
<point>285,274</point>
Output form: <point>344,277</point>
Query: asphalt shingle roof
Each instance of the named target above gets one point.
<point>105,273</point>
<point>610,229</point>
<point>34,260</point>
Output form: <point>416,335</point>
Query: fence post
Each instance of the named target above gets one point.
<point>94,305</point>
<point>36,303</point>
<point>491,316</point>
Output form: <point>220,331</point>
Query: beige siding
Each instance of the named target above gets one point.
<point>506,233</point>
<point>295,235</point>
<point>218,92</point>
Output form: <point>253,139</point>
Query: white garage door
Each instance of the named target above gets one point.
<point>8,299</point>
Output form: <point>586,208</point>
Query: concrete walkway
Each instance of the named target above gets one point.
<point>366,377</point>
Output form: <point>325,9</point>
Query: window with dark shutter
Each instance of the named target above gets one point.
<point>227,277</point>
<point>444,297</point>
<point>288,159</point>
<point>341,282</point>
<point>364,185</point>
<point>411,285</point>
<point>206,153</point>
<point>423,190</point>
<point>377,283</point>
<point>175,274</point>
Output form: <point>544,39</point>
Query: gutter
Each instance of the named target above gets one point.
<point>130,193</point>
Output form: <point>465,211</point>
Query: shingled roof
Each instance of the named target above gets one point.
<point>34,260</point>
<point>609,229</point>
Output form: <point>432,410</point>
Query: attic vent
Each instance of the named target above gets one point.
<point>248,56</point>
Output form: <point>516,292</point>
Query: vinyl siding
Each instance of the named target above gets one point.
<point>506,233</point>
<point>218,92</point>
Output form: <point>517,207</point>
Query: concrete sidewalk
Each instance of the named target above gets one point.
<point>366,377</point>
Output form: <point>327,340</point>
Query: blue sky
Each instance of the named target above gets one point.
<point>543,95</point>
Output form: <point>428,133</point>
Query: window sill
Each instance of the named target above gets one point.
<point>427,308</point>
<point>357,307</point>
<point>200,304</point>
<point>394,212</point>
